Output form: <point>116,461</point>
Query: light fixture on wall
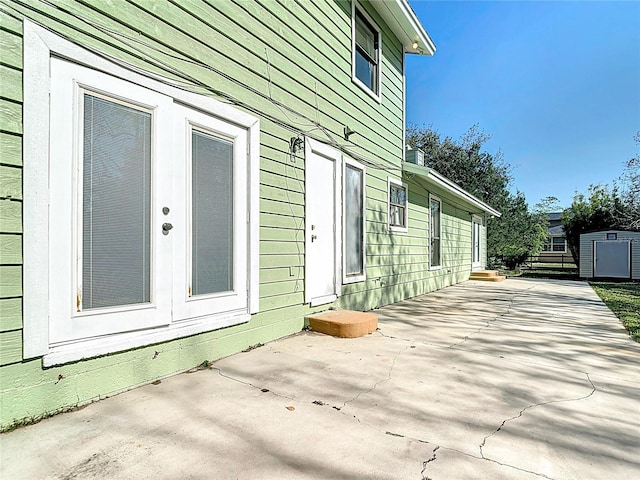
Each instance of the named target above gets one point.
<point>348,132</point>
<point>296,144</point>
<point>415,45</point>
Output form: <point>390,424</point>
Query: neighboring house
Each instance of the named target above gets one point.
<point>181,182</point>
<point>555,248</point>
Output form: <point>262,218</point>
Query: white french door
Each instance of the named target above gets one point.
<point>210,198</point>
<point>159,199</point>
<point>106,171</point>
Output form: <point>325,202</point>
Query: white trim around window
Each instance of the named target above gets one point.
<point>52,204</point>
<point>374,93</point>
<point>354,221</point>
<point>397,213</point>
<point>435,233</point>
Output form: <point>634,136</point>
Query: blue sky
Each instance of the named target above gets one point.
<point>556,85</point>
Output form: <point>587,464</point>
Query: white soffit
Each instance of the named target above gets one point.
<point>404,23</point>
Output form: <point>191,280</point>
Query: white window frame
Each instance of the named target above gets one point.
<point>376,95</point>
<point>564,249</point>
<point>437,199</point>
<point>40,46</point>
<point>392,227</point>
<point>363,275</point>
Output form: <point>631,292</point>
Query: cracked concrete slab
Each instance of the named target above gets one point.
<point>517,380</point>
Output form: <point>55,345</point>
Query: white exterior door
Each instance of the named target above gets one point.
<point>476,235</point>
<point>322,232</point>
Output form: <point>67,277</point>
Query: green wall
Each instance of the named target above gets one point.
<point>288,62</point>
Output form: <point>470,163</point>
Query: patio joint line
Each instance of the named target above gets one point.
<point>504,422</point>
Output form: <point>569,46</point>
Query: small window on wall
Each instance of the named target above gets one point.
<point>435,217</point>
<point>366,53</point>
<point>559,244</point>
<point>546,247</point>
<point>353,218</point>
<point>398,220</point>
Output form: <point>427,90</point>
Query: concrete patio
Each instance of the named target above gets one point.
<point>514,380</point>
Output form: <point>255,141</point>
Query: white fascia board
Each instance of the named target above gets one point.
<point>404,23</point>
<point>443,182</point>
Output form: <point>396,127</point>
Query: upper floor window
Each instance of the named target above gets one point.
<point>366,53</point>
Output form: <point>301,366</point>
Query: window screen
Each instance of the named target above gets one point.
<point>212,214</point>
<point>353,222</point>
<point>116,200</point>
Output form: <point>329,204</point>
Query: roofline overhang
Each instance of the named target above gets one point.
<point>443,182</point>
<point>404,23</point>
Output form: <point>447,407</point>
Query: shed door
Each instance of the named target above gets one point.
<point>612,259</point>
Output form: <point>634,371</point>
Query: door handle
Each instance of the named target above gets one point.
<point>166,227</point>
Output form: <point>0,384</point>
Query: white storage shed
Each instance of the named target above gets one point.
<point>610,254</point>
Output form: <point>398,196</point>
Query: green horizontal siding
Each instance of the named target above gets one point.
<point>10,347</point>
<point>11,48</point>
<point>10,249</point>
<point>10,182</point>
<point>10,314</point>
<point>10,149</point>
<point>10,83</point>
<point>10,216</point>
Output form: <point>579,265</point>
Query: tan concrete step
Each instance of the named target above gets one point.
<point>487,276</point>
<point>484,273</point>
<point>344,323</point>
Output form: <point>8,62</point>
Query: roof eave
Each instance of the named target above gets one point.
<point>405,24</point>
<point>443,182</point>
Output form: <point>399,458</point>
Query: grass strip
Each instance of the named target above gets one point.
<point>623,299</point>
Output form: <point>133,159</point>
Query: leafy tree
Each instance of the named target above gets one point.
<point>630,190</point>
<point>600,209</point>
<point>605,207</point>
<point>518,233</point>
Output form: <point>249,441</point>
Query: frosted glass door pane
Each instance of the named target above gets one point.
<point>212,214</point>
<point>116,204</point>
<point>353,221</point>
